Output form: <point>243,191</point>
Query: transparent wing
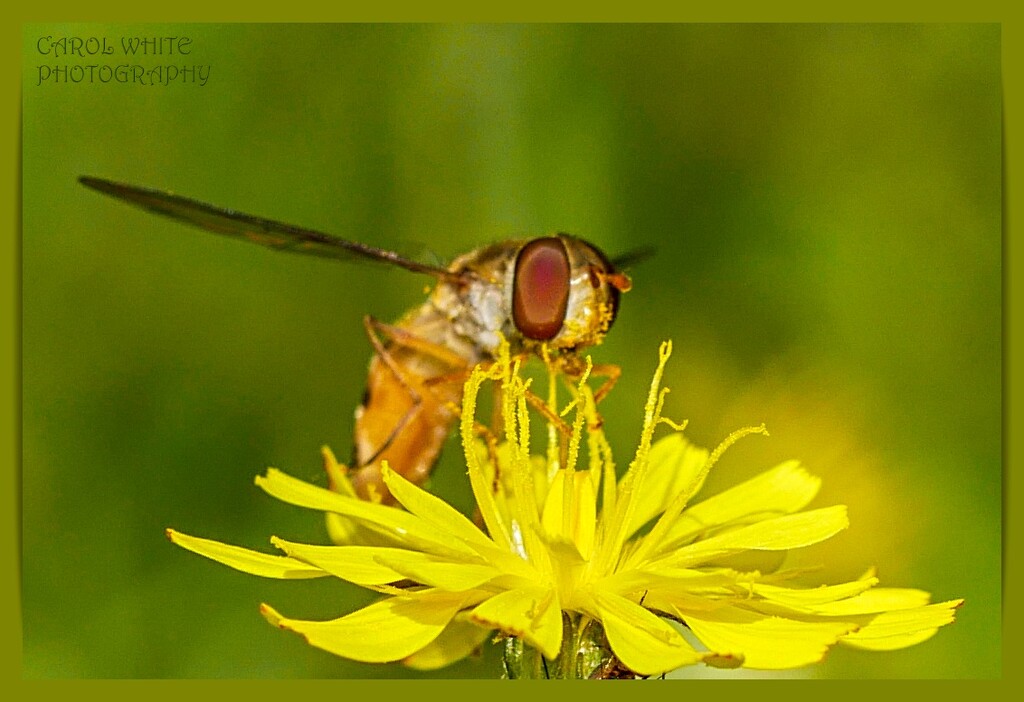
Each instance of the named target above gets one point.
<point>632,257</point>
<point>265,232</point>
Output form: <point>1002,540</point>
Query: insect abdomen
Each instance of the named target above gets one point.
<point>413,391</point>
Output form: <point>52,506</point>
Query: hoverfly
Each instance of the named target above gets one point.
<point>553,295</point>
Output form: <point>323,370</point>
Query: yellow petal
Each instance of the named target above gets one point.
<point>764,641</point>
<point>813,598</point>
<point>533,614</point>
<point>458,640</point>
<point>351,532</point>
<point>385,631</point>
<point>583,517</point>
<point>784,489</point>
<point>779,533</point>
<point>355,564</point>
<point>445,520</point>
<point>880,599</point>
<point>551,515</point>
<point>337,474</point>
<point>674,464</point>
<point>377,565</point>
<point>902,628</point>
<point>433,510</point>
<point>401,527</point>
<point>645,643</point>
<point>343,530</point>
<point>663,599</point>
<point>442,573</point>
<point>670,580</point>
<point>247,561</point>
<point>764,562</point>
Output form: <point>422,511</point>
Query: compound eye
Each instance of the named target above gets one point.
<point>540,289</point>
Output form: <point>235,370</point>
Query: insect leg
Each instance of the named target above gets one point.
<point>611,373</point>
<point>481,429</point>
<point>549,414</point>
<point>405,339</point>
<point>371,325</point>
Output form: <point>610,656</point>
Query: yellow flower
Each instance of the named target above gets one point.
<point>582,573</point>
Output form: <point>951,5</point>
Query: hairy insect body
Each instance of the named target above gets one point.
<point>414,387</point>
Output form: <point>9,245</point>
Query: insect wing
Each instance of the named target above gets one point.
<point>632,257</point>
<point>265,232</point>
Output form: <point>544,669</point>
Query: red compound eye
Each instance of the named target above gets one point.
<point>540,291</point>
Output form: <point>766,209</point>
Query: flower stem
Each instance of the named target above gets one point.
<point>585,654</point>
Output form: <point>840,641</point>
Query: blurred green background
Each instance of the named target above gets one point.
<point>825,203</point>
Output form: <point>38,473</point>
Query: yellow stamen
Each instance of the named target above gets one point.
<point>617,527</point>
<point>496,526</point>
<point>675,508</point>
<point>574,450</point>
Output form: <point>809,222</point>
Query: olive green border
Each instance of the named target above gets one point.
<point>406,10</point>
